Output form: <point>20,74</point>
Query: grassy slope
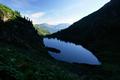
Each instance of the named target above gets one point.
<point>7,12</point>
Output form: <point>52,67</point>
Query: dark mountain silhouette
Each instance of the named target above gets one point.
<point>19,32</point>
<point>98,32</point>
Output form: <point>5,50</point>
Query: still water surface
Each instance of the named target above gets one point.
<point>70,52</point>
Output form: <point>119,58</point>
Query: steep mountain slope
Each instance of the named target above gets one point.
<point>98,32</point>
<point>20,32</point>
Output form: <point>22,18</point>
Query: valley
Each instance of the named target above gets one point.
<point>85,50</point>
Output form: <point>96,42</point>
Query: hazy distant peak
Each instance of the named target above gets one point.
<point>53,28</point>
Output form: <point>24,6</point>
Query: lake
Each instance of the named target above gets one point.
<point>70,52</point>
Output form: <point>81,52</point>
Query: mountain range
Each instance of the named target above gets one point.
<point>52,28</point>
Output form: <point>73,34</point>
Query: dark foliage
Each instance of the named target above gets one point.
<point>20,32</point>
<point>6,75</point>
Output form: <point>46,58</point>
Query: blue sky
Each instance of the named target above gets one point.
<point>54,11</point>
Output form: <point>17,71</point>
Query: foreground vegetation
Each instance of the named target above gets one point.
<point>20,64</point>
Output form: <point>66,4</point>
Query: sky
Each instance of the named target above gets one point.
<point>55,11</point>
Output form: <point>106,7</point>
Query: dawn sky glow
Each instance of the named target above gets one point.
<point>54,11</point>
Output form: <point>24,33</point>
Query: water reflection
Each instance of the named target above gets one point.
<point>70,52</point>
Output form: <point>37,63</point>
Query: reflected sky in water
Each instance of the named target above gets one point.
<point>70,52</point>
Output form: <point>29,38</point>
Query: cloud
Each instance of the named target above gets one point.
<point>59,20</point>
<point>39,17</point>
<point>35,17</point>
